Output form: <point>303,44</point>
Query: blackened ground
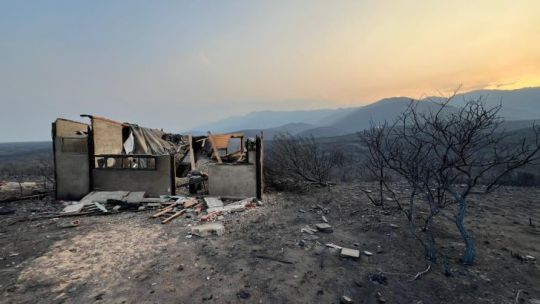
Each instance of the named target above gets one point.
<point>264,258</point>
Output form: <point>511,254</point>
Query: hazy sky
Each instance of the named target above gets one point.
<point>176,64</point>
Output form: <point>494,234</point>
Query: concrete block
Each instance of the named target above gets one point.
<point>350,253</point>
<point>213,202</point>
<point>208,229</point>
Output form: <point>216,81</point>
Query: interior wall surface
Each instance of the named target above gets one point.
<point>107,136</point>
<point>154,182</point>
<point>232,180</point>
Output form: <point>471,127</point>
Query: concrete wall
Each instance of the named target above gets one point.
<point>71,167</point>
<point>154,182</point>
<point>107,136</point>
<point>68,128</point>
<point>233,180</point>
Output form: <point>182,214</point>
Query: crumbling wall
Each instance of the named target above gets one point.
<point>70,144</point>
<point>154,182</point>
<point>232,180</point>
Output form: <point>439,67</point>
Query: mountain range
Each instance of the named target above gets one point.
<point>520,107</point>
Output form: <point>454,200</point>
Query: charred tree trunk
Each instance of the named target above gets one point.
<point>470,247</point>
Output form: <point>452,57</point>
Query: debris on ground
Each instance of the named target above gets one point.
<point>324,227</point>
<point>350,253</point>
<point>380,298</point>
<point>334,246</point>
<point>169,207</point>
<point>213,204</point>
<point>308,230</point>
<point>77,207</point>
<point>208,229</point>
<point>368,253</point>
<point>68,224</point>
<point>346,300</point>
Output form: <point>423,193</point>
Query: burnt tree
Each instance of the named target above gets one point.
<point>443,153</point>
<point>301,161</point>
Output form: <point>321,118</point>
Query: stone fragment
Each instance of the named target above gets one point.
<point>324,227</point>
<point>368,253</point>
<point>346,300</point>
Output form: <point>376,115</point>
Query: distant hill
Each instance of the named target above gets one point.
<point>271,119</point>
<point>25,151</point>
<point>323,132</point>
<point>384,110</point>
<point>291,128</point>
<point>517,105</point>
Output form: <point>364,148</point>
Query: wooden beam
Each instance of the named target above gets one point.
<point>214,148</point>
<point>191,154</point>
<point>165,210</point>
<point>172,217</point>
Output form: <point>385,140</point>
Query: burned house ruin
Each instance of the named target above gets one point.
<point>106,155</point>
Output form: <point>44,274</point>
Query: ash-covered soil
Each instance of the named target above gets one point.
<point>263,257</point>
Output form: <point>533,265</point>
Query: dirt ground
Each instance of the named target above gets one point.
<point>264,257</point>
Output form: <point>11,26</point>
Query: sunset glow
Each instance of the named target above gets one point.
<point>230,58</point>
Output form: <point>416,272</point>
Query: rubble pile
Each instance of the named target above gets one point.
<point>169,207</point>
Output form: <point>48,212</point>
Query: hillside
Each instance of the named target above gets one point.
<point>273,119</point>
<point>517,105</point>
